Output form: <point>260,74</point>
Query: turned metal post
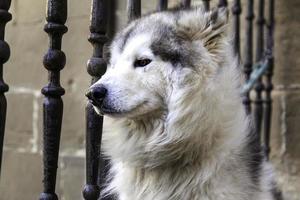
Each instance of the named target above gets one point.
<point>236,10</point>
<point>222,3</point>
<point>186,3</point>
<point>258,109</point>
<point>54,61</point>
<point>5,17</point>
<point>96,67</point>
<point>133,9</point>
<point>162,5</point>
<point>268,77</point>
<point>206,4</point>
<point>248,52</point>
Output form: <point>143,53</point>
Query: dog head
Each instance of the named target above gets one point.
<point>156,55</point>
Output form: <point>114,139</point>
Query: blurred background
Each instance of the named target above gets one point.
<point>22,160</point>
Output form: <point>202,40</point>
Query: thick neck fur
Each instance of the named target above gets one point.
<point>199,135</point>
<point>195,146</point>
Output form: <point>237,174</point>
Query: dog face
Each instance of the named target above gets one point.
<point>156,54</point>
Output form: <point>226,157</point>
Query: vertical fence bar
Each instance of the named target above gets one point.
<point>258,109</point>
<point>54,61</point>
<point>5,17</point>
<point>162,5</point>
<point>248,52</point>
<point>236,10</point>
<point>186,3</point>
<point>104,163</point>
<point>222,3</point>
<point>206,4</point>
<point>96,67</point>
<point>268,77</point>
<point>133,9</point>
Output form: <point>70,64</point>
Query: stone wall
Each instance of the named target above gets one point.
<point>22,162</point>
<point>285,130</point>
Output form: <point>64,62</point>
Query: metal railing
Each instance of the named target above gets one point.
<point>258,77</point>
<point>5,17</point>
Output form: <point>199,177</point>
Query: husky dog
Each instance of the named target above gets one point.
<point>179,130</point>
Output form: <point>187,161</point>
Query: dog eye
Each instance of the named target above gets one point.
<point>142,62</point>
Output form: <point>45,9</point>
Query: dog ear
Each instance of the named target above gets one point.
<point>197,24</point>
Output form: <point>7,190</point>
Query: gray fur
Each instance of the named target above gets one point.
<point>178,128</point>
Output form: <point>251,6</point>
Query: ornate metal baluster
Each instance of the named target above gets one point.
<point>236,10</point>
<point>268,76</point>
<point>5,17</point>
<point>54,61</point>
<point>186,3</point>
<point>258,109</point>
<point>96,68</point>
<point>162,5</point>
<point>222,3</point>
<point>206,4</point>
<point>133,9</point>
<point>248,52</point>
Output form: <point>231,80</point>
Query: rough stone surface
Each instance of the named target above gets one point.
<point>19,132</point>
<point>278,125</point>
<point>292,124</point>
<point>30,15</point>
<point>285,142</point>
<point>72,179</point>
<point>287,42</point>
<point>28,44</point>
<point>21,176</point>
<point>22,163</point>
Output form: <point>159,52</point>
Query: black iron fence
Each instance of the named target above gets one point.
<point>258,78</point>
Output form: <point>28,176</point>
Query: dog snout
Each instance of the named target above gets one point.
<point>96,94</point>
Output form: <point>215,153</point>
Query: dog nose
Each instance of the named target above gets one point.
<point>96,94</point>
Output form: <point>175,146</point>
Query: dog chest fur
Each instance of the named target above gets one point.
<point>178,128</point>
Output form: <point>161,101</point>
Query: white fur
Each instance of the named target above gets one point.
<point>181,130</point>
